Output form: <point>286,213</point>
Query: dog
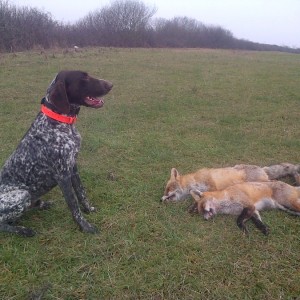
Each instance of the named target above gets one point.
<point>247,199</point>
<point>179,186</point>
<point>46,156</point>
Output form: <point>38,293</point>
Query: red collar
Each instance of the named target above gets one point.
<point>61,118</point>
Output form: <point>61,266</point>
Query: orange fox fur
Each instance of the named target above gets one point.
<point>179,186</point>
<point>247,199</point>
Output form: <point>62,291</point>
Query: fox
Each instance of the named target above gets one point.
<point>246,200</point>
<point>179,186</point>
<point>283,170</point>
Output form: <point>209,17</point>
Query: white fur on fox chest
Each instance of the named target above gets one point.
<point>265,203</point>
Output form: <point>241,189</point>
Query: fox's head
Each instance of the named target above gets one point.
<point>174,191</point>
<point>205,203</point>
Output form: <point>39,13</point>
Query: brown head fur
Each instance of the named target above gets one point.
<point>76,88</point>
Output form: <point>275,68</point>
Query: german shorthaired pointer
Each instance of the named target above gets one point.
<point>46,156</point>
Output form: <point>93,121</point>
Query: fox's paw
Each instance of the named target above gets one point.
<point>193,209</point>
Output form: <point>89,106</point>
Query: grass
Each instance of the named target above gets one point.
<point>169,108</point>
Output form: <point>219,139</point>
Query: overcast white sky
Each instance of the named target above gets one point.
<point>264,21</point>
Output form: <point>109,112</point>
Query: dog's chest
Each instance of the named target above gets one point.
<point>56,140</point>
<point>46,153</point>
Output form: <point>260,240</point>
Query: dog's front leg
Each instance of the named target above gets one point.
<point>66,187</point>
<point>80,191</point>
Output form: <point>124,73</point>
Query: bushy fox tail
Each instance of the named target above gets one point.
<point>289,210</point>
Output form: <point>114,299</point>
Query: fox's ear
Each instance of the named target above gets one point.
<point>196,194</point>
<point>174,174</point>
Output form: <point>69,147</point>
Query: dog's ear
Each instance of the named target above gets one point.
<point>174,174</point>
<point>58,95</point>
<point>196,194</point>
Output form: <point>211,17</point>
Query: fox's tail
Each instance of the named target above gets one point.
<point>298,190</point>
<point>289,210</point>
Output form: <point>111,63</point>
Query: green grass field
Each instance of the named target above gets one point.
<point>169,108</point>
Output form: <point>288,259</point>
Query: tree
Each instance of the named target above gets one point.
<point>23,28</point>
<point>122,23</point>
<point>178,32</point>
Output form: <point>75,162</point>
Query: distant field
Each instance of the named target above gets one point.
<point>169,108</point>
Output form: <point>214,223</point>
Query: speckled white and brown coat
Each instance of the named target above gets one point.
<point>46,156</point>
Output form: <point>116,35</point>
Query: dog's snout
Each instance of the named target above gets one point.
<point>108,85</point>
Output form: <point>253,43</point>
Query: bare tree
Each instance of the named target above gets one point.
<point>178,32</point>
<point>23,28</point>
<point>123,23</point>
<point>218,37</point>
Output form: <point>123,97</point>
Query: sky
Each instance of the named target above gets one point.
<point>263,21</point>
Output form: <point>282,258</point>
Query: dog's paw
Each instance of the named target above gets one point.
<point>89,209</point>
<point>44,205</point>
<point>93,209</point>
<point>26,232</point>
<point>89,228</point>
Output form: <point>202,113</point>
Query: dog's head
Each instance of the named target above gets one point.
<point>76,88</point>
<point>173,191</point>
<point>205,205</point>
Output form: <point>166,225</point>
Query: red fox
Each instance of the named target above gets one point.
<point>179,186</point>
<point>247,199</point>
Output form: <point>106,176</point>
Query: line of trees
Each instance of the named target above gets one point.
<point>123,23</point>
